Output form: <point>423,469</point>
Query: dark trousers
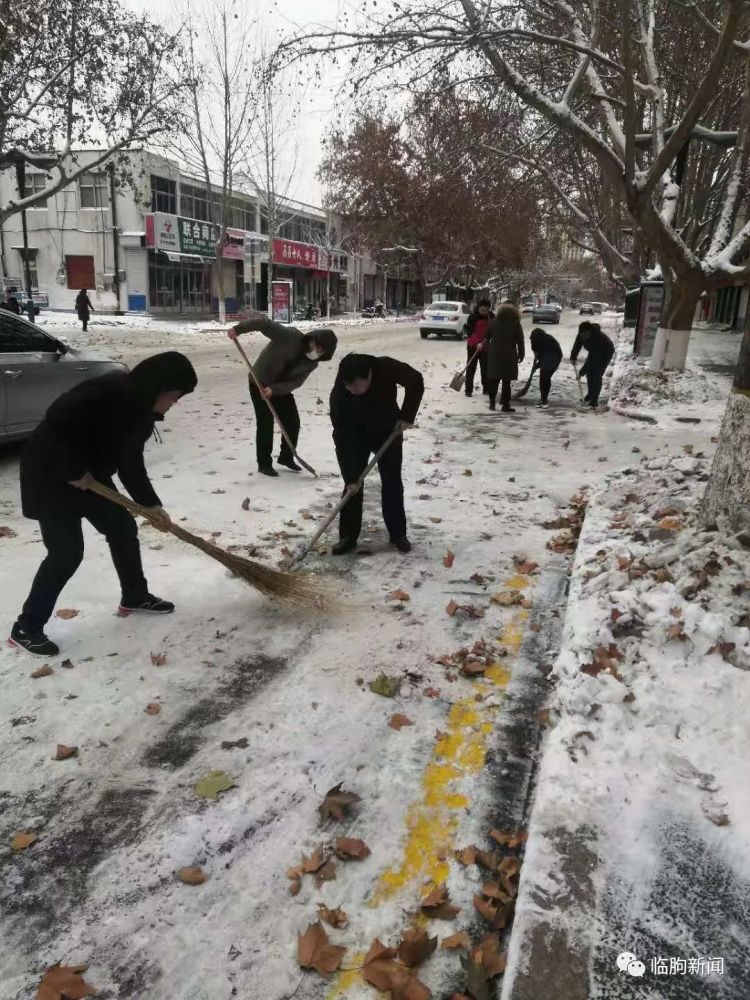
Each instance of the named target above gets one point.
<point>480,360</point>
<point>286,407</point>
<point>545,384</point>
<point>62,534</point>
<point>504,386</point>
<point>392,492</point>
<point>594,378</point>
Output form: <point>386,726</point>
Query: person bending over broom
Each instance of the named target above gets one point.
<point>95,430</point>
<point>364,412</point>
<point>282,366</point>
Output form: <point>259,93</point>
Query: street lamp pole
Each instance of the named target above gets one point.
<point>21,183</point>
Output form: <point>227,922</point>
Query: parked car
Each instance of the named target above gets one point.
<point>35,368</point>
<point>598,307</point>
<point>444,319</point>
<point>587,309</point>
<point>546,314</point>
<point>527,307</point>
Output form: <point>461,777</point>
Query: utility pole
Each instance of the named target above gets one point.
<point>115,235</point>
<point>21,183</point>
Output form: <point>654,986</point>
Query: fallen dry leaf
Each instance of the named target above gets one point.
<point>334,918</point>
<point>496,912</point>
<point>336,803</point>
<point>452,608</point>
<point>431,692</point>
<point>677,631</point>
<point>64,753</point>
<point>514,839</point>
<point>246,503</point>
<point>327,873</point>
<point>22,840</point>
<point>379,969</point>
<point>158,659</point>
<point>416,947</point>
<point>350,848</point>
<point>315,951</point>
<point>468,472</point>
<point>398,595</point>
<point>64,982</point>
<point>458,940</point>
<point>398,721</point>
<point>44,671</point>
<point>192,876</point>
<point>466,855</point>
<point>240,744</point>
<point>436,520</point>
<point>525,566</point>
<point>723,649</point>
<point>153,708</point>
<point>437,905</point>
<point>489,957</point>
<point>506,598</point>
<point>448,559</point>
<point>66,613</point>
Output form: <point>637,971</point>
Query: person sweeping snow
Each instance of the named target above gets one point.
<point>364,412</point>
<point>600,352</point>
<point>547,357</point>
<point>282,366</point>
<point>97,429</point>
<point>505,352</point>
<point>477,326</point>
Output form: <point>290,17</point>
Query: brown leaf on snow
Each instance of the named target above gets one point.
<point>468,472</point>
<point>192,875</point>
<point>506,598</point>
<point>466,855</point>
<point>448,559</point>
<point>153,708</point>
<point>398,595</point>
<point>436,520</point>
<point>336,804</point>
<point>510,866</point>
<point>451,608</point>
<point>6,532</point>
<point>325,874</point>
<point>22,840</point>
<point>496,912</point>
<point>398,721</point>
<point>677,631</point>
<point>489,957</point>
<point>315,951</point>
<point>64,753</point>
<point>437,905</point>
<point>44,671</point>
<point>663,576</point>
<point>458,940</point>
<point>615,614</point>
<point>348,848</point>
<point>246,503</point>
<point>669,524</point>
<point>514,839</point>
<point>158,659</point>
<point>379,969</point>
<point>64,982</point>
<point>66,613</point>
<point>525,566</point>
<point>416,947</point>
<point>334,918</point>
<point>723,649</point>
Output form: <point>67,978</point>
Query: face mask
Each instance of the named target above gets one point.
<point>312,354</point>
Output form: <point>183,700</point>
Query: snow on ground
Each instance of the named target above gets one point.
<point>115,822</point>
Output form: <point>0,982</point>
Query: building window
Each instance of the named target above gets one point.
<point>242,216</point>
<point>33,183</point>
<point>163,195</point>
<point>80,272</point>
<point>194,204</point>
<point>33,273</point>
<point>93,190</point>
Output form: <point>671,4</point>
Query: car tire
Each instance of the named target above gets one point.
<point>423,334</point>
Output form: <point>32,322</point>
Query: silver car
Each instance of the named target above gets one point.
<point>36,368</point>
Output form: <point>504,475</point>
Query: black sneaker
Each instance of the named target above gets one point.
<point>33,642</point>
<point>402,544</point>
<point>492,406</point>
<point>343,546</point>
<point>508,409</point>
<point>268,470</point>
<point>150,605</point>
<point>290,464</point>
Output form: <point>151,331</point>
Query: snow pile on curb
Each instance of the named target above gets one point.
<point>644,770</point>
<point>142,321</point>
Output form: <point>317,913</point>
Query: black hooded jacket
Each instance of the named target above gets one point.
<point>600,349</point>
<point>100,426</point>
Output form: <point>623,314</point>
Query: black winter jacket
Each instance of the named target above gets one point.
<point>547,351</point>
<point>100,426</point>
<point>600,350</point>
<point>372,416</point>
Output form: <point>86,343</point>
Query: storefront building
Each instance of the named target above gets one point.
<point>315,274</point>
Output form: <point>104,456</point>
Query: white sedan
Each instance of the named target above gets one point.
<point>444,319</point>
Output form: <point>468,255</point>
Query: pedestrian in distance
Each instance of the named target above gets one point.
<point>84,307</point>
<point>600,350</point>
<point>505,352</point>
<point>282,366</point>
<point>97,429</point>
<point>547,357</point>
<point>364,412</point>
<point>11,303</point>
<point>477,327</point>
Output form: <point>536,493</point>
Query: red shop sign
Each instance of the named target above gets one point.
<point>296,254</point>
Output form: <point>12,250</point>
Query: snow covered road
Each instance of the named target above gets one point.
<point>116,821</point>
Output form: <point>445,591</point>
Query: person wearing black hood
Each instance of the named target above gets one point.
<point>547,357</point>
<point>600,352</point>
<point>282,366</point>
<point>364,412</point>
<point>97,429</point>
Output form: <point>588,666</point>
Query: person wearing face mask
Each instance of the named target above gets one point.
<point>97,429</point>
<point>281,367</point>
<point>364,411</point>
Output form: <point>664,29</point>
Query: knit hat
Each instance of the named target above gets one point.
<point>167,372</point>
<point>327,340</point>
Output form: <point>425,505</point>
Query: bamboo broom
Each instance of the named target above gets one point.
<point>304,592</point>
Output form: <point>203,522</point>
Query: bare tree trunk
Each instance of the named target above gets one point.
<point>726,502</point>
<point>678,315</point>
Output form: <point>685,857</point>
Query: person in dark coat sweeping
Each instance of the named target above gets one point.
<point>477,326</point>
<point>84,307</point>
<point>364,412</point>
<point>547,357</point>
<point>600,350</point>
<point>282,366</point>
<point>97,429</point>
<point>506,351</point>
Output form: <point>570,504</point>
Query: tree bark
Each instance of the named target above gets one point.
<point>726,502</point>
<point>673,336</point>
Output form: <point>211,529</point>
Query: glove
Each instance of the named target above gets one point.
<point>159,518</point>
<point>82,483</point>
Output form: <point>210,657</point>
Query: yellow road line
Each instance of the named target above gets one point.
<point>432,820</point>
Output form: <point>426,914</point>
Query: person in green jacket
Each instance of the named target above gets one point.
<point>282,366</point>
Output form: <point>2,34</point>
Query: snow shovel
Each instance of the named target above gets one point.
<point>578,382</point>
<point>305,551</point>
<point>275,415</point>
<point>524,389</point>
<point>457,382</point>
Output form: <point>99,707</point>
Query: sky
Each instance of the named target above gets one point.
<point>320,107</point>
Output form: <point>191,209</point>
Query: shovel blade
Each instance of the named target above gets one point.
<point>457,382</point>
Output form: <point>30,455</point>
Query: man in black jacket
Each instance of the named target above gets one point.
<point>281,367</point>
<point>600,351</point>
<point>364,412</point>
<point>95,430</point>
<point>547,357</point>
